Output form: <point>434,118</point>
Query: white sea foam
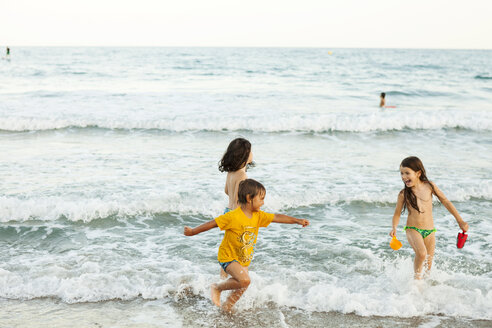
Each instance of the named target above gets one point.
<point>391,292</point>
<point>319,123</point>
<point>88,209</point>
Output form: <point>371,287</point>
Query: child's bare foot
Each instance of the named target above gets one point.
<point>227,307</point>
<point>215,294</point>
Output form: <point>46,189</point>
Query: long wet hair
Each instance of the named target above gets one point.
<point>415,164</point>
<point>236,155</point>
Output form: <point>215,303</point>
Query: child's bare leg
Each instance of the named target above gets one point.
<point>239,277</point>
<point>430,246</point>
<point>223,274</point>
<point>215,294</point>
<point>234,296</point>
<point>417,243</point>
<point>238,282</point>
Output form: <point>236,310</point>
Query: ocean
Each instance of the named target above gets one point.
<point>107,153</point>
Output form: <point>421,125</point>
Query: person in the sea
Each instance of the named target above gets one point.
<point>235,161</point>
<point>241,227</point>
<point>382,103</point>
<point>416,198</point>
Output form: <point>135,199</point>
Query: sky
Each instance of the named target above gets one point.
<point>232,23</point>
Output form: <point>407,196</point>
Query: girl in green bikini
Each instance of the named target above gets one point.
<point>416,197</point>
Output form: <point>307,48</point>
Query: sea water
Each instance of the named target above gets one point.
<point>107,153</point>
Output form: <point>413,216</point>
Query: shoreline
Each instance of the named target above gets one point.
<point>196,311</point>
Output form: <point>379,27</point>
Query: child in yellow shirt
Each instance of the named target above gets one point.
<point>241,227</point>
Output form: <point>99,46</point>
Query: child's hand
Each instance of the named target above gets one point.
<point>303,222</point>
<point>393,232</point>
<point>464,226</point>
<point>188,231</point>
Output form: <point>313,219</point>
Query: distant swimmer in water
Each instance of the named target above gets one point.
<point>382,103</point>
<point>7,55</point>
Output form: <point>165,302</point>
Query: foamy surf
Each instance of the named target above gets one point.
<point>389,291</point>
<point>71,208</point>
<point>386,120</point>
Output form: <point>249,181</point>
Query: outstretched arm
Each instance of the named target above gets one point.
<point>282,218</point>
<point>188,231</point>
<point>396,215</point>
<point>450,207</point>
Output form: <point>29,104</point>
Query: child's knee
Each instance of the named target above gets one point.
<point>421,254</point>
<point>245,282</point>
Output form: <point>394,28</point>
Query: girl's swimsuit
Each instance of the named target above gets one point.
<point>227,209</point>
<point>423,232</point>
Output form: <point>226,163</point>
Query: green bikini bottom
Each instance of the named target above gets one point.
<point>423,232</point>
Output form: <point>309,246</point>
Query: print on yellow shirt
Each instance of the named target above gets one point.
<point>247,240</point>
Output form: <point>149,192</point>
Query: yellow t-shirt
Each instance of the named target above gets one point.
<point>241,233</point>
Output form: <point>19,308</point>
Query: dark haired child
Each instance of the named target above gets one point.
<point>241,231</point>
<point>382,103</point>
<point>235,161</point>
<point>416,197</point>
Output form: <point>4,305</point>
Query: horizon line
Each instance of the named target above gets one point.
<point>212,46</point>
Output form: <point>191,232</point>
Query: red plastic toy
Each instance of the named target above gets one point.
<point>461,239</point>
